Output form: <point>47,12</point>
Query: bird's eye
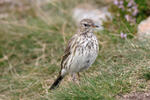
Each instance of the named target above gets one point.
<point>86,25</point>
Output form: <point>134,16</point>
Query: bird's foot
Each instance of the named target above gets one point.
<point>75,80</point>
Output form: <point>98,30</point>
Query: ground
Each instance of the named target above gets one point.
<point>31,47</point>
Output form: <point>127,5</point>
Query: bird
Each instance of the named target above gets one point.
<point>80,53</point>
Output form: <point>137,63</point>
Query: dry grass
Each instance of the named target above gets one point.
<point>31,49</point>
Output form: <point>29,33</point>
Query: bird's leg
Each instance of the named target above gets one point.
<point>78,76</point>
<point>73,77</point>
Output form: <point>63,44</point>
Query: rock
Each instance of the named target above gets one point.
<point>144,28</point>
<point>88,11</point>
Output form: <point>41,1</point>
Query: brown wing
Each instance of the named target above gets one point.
<point>68,49</point>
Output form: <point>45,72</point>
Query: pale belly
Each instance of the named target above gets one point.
<point>84,55</point>
<point>83,61</point>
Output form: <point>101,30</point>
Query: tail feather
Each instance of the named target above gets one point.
<point>56,82</point>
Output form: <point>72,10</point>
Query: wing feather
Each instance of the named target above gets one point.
<point>67,52</point>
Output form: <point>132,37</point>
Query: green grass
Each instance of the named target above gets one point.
<point>146,75</point>
<point>31,51</point>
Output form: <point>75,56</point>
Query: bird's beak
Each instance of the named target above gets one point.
<point>95,26</point>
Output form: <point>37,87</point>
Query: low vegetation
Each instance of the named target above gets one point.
<point>31,47</point>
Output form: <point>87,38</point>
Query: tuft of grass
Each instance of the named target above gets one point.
<point>146,75</point>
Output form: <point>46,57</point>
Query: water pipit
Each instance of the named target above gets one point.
<point>80,53</point>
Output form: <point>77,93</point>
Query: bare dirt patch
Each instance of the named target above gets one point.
<point>135,96</point>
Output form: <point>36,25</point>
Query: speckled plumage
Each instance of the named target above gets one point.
<point>81,51</point>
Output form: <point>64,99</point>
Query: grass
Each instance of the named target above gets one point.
<point>31,50</point>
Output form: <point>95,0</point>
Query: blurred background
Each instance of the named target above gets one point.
<point>33,35</point>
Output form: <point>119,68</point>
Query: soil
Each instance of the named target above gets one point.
<point>135,96</point>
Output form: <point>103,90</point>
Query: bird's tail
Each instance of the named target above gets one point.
<point>56,82</point>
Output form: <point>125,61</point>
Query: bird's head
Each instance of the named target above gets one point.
<point>87,25</point>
